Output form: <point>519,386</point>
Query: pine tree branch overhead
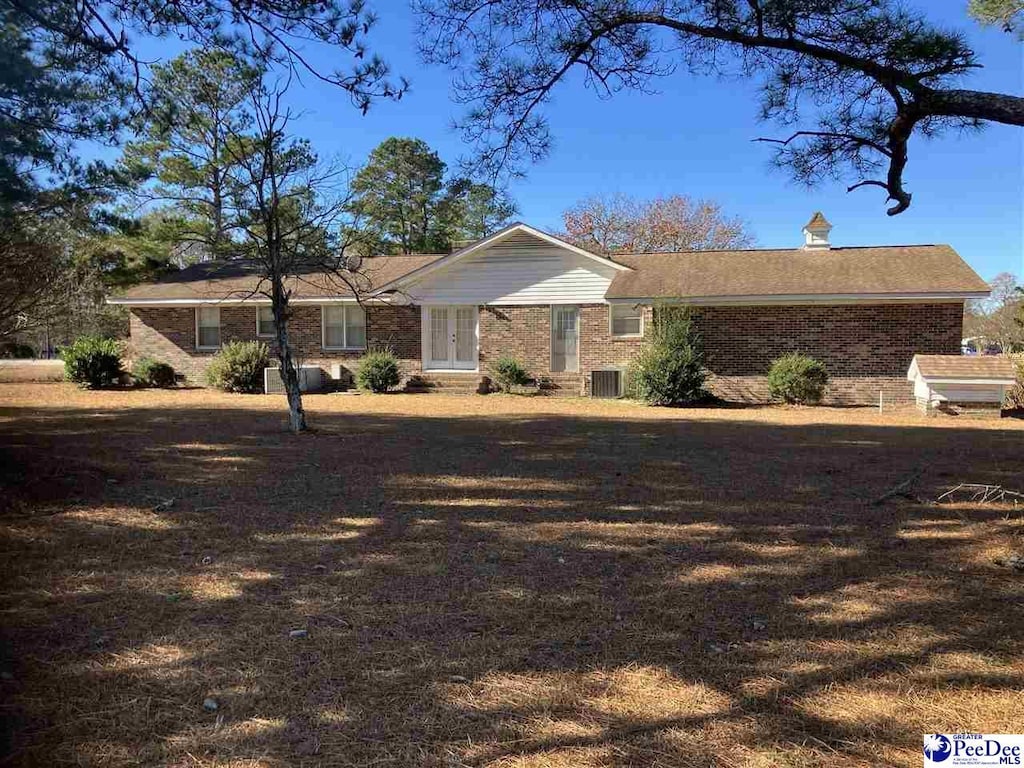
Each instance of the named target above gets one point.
<point>853,82</point>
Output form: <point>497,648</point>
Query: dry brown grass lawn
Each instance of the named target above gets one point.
<point>496,582</point>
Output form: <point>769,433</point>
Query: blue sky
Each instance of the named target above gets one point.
<point>695,138</point>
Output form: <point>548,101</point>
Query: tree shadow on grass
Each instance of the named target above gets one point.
<point>509,590</point>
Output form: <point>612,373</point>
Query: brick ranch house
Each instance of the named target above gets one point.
<point>566,312</point>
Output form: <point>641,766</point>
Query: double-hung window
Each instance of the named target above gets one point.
<point>626,320</point>
<point>344,326</point>
<point>207,327</point>
<point>265,322</point>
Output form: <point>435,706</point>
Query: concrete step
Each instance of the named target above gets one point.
<point>446,383</point>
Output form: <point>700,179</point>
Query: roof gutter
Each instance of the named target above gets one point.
<point>1005,382</point>
<point>119,301</point>
<point>803,298</point>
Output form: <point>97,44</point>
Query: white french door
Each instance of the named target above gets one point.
<point>565,339</point>
<point>450,338</point>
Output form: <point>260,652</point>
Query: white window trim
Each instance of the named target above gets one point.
<point>220,329</point>
<point>611,324</point>
<point>323,329</point>
<point>259,335</point>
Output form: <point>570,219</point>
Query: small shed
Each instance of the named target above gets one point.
<point>967,382</point>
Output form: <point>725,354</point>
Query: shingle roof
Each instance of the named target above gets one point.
<point>238,279</point>
<point>897,270</point>
<point>966,367</point>
<point>818,220</point>
<point>906,271</point>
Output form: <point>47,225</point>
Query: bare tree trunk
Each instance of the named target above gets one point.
<point>286,364</point>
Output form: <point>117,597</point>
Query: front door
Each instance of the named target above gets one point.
<point>565,339</point>
<point>450,338</point>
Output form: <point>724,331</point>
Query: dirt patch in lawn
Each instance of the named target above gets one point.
<point>497,581</point>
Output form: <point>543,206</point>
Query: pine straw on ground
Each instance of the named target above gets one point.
<point>497,581</point>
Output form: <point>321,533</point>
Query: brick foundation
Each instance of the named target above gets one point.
<point>866,348</point>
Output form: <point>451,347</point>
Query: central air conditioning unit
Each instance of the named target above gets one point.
<point>311,378</point>
<point>606,384</point>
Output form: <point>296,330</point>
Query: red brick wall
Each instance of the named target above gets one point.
<point>867,348</point>
<point>168,334</point>
<point>852,340</point>
<point>525,333</point>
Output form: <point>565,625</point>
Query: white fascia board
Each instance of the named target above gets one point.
<point>838,298</point>
<point>955,380</point>
<point>570,247</point>
<point>446,261</point>
<point>229,302</point>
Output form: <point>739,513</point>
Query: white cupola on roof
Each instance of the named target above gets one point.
<point>816,233</point>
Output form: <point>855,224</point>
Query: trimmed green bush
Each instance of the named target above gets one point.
<point>379,371</point>
<point>669,369</point>
<point>796,378</point>
<point>238,367</point>
<point>92,362</point>
<point>148,372</point>
<point>510,374</point>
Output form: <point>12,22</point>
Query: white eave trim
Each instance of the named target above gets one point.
<point>956,380</point>
<point>445,261</point>
<point>822,298</point>
<point>228,302</point>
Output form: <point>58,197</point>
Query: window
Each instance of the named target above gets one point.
<point>207,327</point>
<point>344,326</point>
<point>627,320</point>
<point>265,322</point>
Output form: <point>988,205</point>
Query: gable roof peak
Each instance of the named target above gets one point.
<point>818,221</point>
<point>816,233</point>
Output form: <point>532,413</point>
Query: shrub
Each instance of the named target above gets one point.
<point>148,372</point>
<point>379,371</point>
<point>510,373</point>
<point>238,367</point>
<point>92,362</point>
<point>1015,397</point>
<point>16,350</point>
<point>796,378</point>
<point>669,369</point>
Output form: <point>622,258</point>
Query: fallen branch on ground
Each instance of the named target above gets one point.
<point>979,493</point>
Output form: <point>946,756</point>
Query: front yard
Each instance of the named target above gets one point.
<point>497,581</point>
